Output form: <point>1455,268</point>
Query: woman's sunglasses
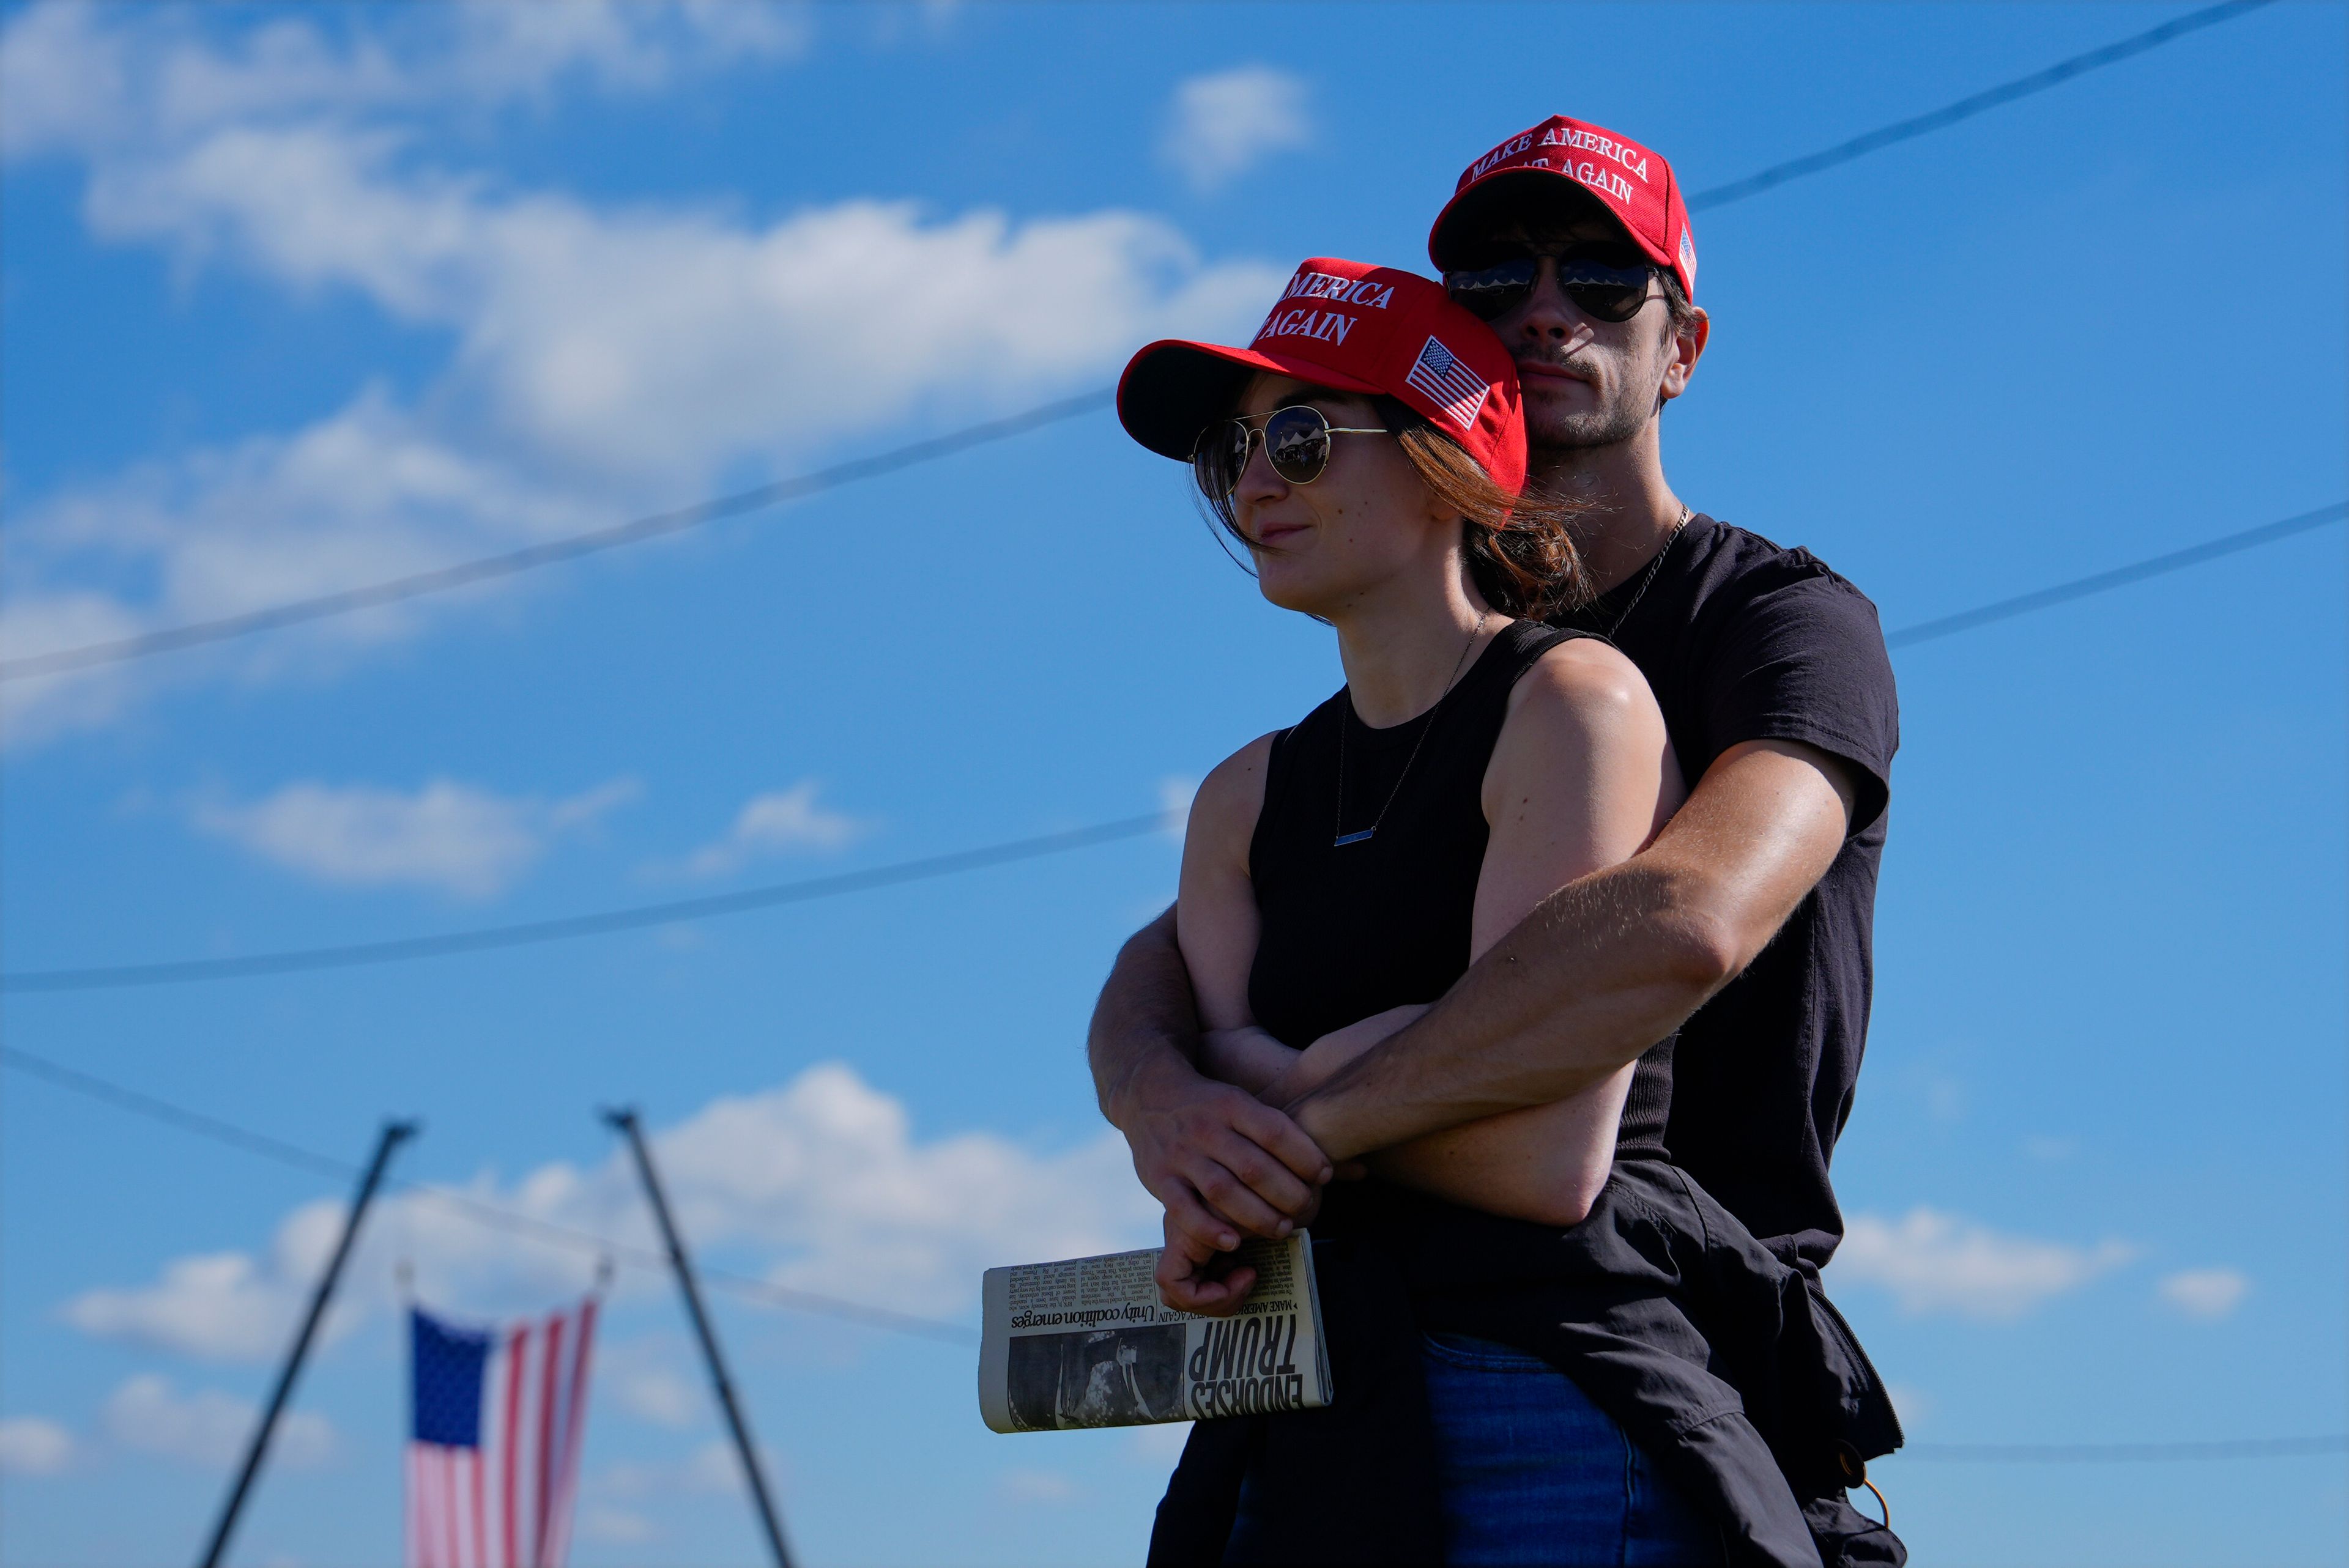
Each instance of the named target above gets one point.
<point>1295,443</point>
<point>1599,289</point>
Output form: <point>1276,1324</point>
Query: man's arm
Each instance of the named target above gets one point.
<point>1192,1138</point>
<point>1608,965</point>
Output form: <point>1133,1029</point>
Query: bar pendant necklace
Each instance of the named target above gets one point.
<point>1344,838</point>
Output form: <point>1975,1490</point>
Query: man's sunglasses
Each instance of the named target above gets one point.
<point>1599,289</point>
<point>1295,443</point>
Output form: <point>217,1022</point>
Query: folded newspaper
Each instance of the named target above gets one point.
<point>1087,1343</point>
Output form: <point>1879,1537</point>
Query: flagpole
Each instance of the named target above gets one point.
<point>393,1134</point>
<point>625,1121</point>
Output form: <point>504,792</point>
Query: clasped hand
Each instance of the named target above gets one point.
<point>1227,1165</point>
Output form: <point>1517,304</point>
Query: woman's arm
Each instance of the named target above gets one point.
<point>1215,926</point>
<point>1581,777</point>
<point>1215,922</point>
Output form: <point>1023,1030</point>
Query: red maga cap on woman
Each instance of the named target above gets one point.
<point>1352,328</point>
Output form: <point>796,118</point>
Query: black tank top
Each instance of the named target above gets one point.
<point>1352,929</point>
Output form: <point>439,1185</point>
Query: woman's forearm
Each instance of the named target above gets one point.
<point>1247,1058</point>
<point>1312,1066</point>
<point>1544,1164</point>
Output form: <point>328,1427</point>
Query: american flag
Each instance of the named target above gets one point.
<point>497,1418</point>
<point>1448,383</point>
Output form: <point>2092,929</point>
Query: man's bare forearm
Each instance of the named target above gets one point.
<point>1605,966</point>
<point>1225,1164</point>
<point>1146,1021</point>
<point>1601,970</point>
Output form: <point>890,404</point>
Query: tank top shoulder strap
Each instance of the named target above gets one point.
<point>1514,649</point>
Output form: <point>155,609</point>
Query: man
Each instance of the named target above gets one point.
<point>1745,924</point>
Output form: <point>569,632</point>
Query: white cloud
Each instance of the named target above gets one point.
<point>821,1180</point>
<point>716,1469</point>
<point>208,1427</point>
<point>1936,1262</point>
<point>2208,1294</point>
<point>225,1307</point>
<point>712,1469</point>
<point>1159,1444</point>
<point>74,79</point>
<point>645,1381</point>
<point>450,836</point>
<point>606,361</point>
<point>30,1445</point>
<point>662,1397</point>
<point>776,822</point>
<point>1910,1403</point>
<point>1222,125</point>
<point>1034,1486</point>
<point>616,1525</point>
<point>1174,796</point>
<point>1946,1098</point>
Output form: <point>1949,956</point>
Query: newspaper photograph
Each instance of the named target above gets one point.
<point>1087,1343</point>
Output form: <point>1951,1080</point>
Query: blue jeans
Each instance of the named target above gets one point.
<point>1533,1472</point>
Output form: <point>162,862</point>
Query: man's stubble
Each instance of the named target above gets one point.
<point>1567,439</point>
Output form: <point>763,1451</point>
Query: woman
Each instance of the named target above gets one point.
<point>1338,876</point>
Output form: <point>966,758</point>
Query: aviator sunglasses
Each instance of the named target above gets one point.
<point>1295,443</point>
<point>1600,288</point>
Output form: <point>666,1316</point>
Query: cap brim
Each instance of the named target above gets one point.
<point>1173,388</point>
<point>1522,187</point>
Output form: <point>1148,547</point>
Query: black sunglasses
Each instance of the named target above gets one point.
<point>1295,443</point>
<point>1600,288</point>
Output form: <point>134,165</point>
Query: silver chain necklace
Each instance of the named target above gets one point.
<point>1654,566</point>
<point>1343,838</point>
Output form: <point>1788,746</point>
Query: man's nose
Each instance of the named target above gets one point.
<point>1548,317</point>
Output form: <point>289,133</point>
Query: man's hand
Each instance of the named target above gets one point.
<point>1224,1163</point>
<point>1190,1281</point>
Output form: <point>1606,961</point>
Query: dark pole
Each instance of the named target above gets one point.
<point>625,1121</point>
<point>393,1134</point>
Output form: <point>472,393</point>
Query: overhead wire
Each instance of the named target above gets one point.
<point>1966,108</point>
<point>2126,1453</point>
<point>514,1222</point>
<point>480,1211</point>
<point>465,573</point>
<point>525,933</point>
<point>120,976</point>
<point>195,634</point>
<point>2118,577</point>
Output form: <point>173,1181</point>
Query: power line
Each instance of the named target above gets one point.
<point>112,978</point>
<point>172,639</point>
<point>186,1120</point>
<point>465,573</point>
<point>2061,71</point>
<point>140,1103</point>
<point>2119,577</point>
<point>2124,1453</point>
<point>494,1215</point>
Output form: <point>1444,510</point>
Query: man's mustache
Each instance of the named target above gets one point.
<point>1577,365</point>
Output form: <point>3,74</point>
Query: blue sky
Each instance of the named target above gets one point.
<point>298,298</point>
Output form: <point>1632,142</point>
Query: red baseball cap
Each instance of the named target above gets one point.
<point>1354,328</point>
<point>1636,186</point>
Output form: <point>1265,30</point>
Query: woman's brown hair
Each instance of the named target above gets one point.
<point>1520,551</point>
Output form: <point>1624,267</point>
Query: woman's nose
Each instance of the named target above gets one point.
<point>1257,481</point>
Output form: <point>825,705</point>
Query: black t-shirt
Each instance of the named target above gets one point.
<point>1743,640</point>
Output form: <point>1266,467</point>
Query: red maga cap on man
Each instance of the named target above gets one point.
<point>1353,328</point>
<point>1636,186</point>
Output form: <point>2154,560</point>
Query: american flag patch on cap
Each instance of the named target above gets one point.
<point>1458,391</point>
